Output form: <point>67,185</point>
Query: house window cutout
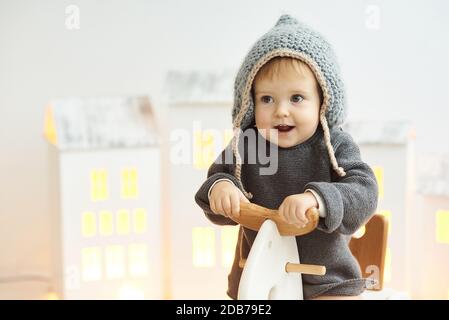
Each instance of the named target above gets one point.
<point>129,183</point>
<point>123,222</point>
<point>88,224</point>
<point>379,173</point>
<point>130,292</point>
<point>115,261</point>
<point>203,149</point>
<point>137,259</point>
<point>140,220</point>
<point>106,223</point>
<point>229,235</point>
<point>205,146</point>
<point>49,126</point>
<point>91,264</point>
<point>228,134</point>
<point>203,247</point>
<point>442,226</point>
<point>98,185</point>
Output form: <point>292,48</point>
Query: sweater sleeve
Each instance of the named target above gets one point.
<point>350,200</point>
<point>222,168</point>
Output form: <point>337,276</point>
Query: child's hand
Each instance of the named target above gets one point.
<point>225,199</point>
<point>293,208</point>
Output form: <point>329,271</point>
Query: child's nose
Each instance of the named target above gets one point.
<point>282,109</point>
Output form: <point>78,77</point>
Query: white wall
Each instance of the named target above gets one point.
<point>125,47</point>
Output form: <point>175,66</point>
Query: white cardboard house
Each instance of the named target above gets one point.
<point>104,162</point>
<point>199,113</point>
<point>389,150</point>
<point>431,236</point>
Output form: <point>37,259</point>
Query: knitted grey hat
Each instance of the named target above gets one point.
<point>290,38</point>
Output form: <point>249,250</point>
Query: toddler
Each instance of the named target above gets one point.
<point>289,100</point>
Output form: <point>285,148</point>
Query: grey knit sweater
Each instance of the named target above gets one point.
<point>350,201</point>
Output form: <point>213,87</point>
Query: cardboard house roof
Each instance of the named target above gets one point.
<point>192,87</point>
<point>433,174</point>
<point>371,132</point>
<point>96,123</point>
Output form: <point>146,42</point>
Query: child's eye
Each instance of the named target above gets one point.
<point>266,99</point>
<point>296,98</point>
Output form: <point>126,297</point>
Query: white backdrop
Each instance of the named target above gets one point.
<point>393,58</point>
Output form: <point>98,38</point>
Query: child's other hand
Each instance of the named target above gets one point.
<point>293,208</point>
<point>225,199</point>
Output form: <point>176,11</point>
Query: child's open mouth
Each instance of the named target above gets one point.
<point>282,128</point>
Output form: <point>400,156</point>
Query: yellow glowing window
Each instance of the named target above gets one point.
<point>228,134</point>
<point>228,242</point>
<point>129,183</point>
<point>51,296</point>
<point>379,173</point>
<point>387,270</point>
<point>91,264</point>
<point>106,223</point>
<point>130,292</point>
<point>140,220</point>
<point>442,226</point>
<point>138,263</point>
<point>49,126</point>
<point>88,224</point>
<point>98,184</point>
<point>115,262</point>
<point>123,221</point>
<point>387,215</point>
<point>203,149</point>
<point>203,247</point>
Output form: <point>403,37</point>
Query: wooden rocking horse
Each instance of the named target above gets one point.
<point>273,270</point>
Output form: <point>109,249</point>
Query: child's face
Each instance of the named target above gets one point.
<point>291,99</point>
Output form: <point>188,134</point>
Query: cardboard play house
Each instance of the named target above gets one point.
<point>389,149</point>
<point>199,113</point>
<point>104,160</point>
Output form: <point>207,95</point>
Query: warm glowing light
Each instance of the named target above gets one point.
<point>128,292</point>
<point>360,233</point>
<point>106,223</point>
<point>387,269</point>
<point>123,222</point>
<point>387,215</point>
<point>138,262</point>
<point>98,184</point>
<point>379,173</point>
<point>88,224</point>
<point>140,220</point>
<point>49,126</point>
<point>129,183</point>
<point>203,149</point>
<point>228,134</point>
<point>229,235</point>
<point>442,226</point>
<point>115,261</point>
<point>51,296</point>
<point>203,247</point>
<point>204,146</point>
<point>91,264</point>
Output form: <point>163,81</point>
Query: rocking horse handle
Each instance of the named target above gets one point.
<point>252,216</point>
<point>256,210</point>
<point>312,214</point>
